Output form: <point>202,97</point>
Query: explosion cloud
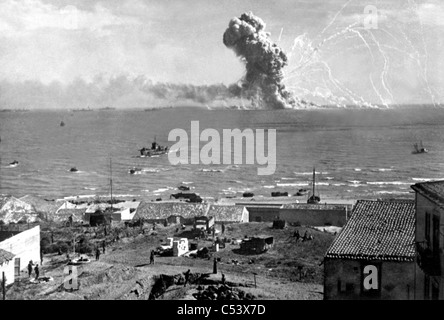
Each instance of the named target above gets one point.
<point>263,59</point>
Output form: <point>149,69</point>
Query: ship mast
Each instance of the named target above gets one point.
<point>111,182</point>
<point>313,181</point>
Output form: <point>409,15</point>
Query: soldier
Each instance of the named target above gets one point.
<point>187,276</point>
<point>29,268</point>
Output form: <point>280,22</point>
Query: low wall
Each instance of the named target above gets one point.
<point>316,215</point>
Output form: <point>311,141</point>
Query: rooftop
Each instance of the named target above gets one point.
<point>377,230</point>
<point>5,256</point>
<point>319,206</point>
<point>434,189</point>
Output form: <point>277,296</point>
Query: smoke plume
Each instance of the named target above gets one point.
<point>263,59</point>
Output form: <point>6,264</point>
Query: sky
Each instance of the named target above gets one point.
<point>78,52</point>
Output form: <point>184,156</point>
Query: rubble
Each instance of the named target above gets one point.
<point>222,292</point>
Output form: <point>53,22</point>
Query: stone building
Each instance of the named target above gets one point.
<point>373,257</point>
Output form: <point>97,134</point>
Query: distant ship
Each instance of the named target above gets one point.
<point>314,198</point>
<point>107,109</point>
<point>156,149</point>
<point>419,148</point>
<point>78,110</point>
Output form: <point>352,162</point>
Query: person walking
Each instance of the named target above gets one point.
<point>29,269</point>
<point>37,272</point>
<point>152,257</point>
<point>97,254</point>
<point>103,246</point>
<point>187,277</point>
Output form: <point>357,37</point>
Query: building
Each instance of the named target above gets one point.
<point>7,266</point>
<point>429,240</point>
<point>315,214</point>
<point>21,247</point>
<point>373,257</point>
<point>228,213</point>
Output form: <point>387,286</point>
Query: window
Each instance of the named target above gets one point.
<point>427,227</point>
<point>426,287</point>
<point>435,291</point>
<point>17,267</point>
<point>435,235</point>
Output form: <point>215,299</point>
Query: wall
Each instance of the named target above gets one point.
<point>315,217</point>
<point>397,281</point>
<point>25,245</point>
<point>8,268</point>
<point>262,213</point>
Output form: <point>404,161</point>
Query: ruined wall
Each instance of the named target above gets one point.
<point>343,279</point>
<point>25,245</point>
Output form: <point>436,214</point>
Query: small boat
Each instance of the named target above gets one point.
<point>62,124</point>
<point>14,163</point>
<point>419,148</point>
<point>156,149</point>
<point>313,197</point>
<point>183,188</point>
<point>73,169</point>
<point>301,192</point>
<point>134,170</point>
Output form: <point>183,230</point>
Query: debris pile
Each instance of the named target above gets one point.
<point>222,292</point>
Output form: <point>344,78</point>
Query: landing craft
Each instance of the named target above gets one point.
<point>156,149</point>
<point>419,148</point>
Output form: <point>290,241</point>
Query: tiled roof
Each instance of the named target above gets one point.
<point>226,213</point>
<point>163,210</point>
<point>308,206</point>
<point>5,256</point>
<point>377,230</point>
<point>434,189</point>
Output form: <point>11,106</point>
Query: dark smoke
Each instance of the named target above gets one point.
<point>263,59</point>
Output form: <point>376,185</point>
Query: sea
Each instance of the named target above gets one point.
<point>356,153</point>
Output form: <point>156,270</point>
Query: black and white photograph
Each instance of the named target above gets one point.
<point>219,154</point>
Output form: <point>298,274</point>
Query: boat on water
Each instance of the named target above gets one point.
<point>155,150</point>
<point>14,163</point>
<point>107,109</point>
<point>419,148</point>
<point>62,124</point>
<point>313,197</point>
<point>84,109</point>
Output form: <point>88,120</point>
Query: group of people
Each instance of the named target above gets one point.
<point>303,238</point>
<point>35,268</point>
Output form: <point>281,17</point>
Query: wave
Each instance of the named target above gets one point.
<point>288,178</point>
<point>211,170</point>
<point>329,178</point>
<point>160,190</point>
<point>388,182</point>
<point>187,182</point>
<point>269,187</point>
<point>358,169</point>
<point>308,173</point>
<point>339,184</point>
<point>88,188</point>
<point>427,179</point>
<point>392,192</point>
<point>292,184</point>
<point>354,181</point>
<point>322,183</point>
